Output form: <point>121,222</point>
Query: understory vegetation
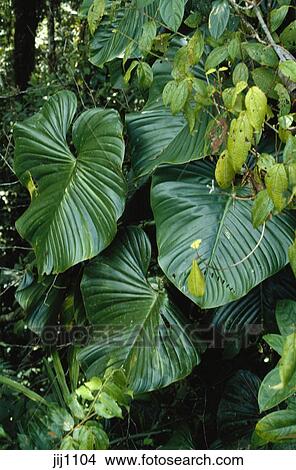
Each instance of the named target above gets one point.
<point>147,198</point>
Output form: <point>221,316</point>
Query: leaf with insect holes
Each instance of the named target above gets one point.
<point>256,105</point>
<point>276,181</point>
<point>264,55</point>
<point>195,47</point>
<point>288,36</point>
<point>234,48</point>
<point>224,172</point>
<point>289,154</point>
<point>284,99</point>
<point>239,140</point>
<point>288,68</point>
<point>266,80</point>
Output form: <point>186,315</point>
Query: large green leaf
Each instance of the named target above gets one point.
<point>136,326</point>
<point>233,255</point>
<point>238,410</point>
<point>158,137</point>
<point>76,202</point>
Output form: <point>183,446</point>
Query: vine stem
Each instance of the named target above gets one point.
<point>138,436</point>
<point>282,53</point>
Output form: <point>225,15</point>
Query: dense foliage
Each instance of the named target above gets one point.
<point>149,165</point>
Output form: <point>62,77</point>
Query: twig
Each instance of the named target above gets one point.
<point>282,53</point>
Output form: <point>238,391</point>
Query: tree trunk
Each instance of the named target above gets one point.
<point>51,7</point>
<point>26,22</point>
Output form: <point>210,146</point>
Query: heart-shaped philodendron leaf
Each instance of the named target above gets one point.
<point>135,324</point>
<point>233,256</point>
<point>76,201</point>
<point>238,410</point>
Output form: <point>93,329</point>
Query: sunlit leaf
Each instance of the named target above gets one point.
<point>256,104</point>
<point>196,281</point>
<point>240,140</point>
<point>95,14</point>
<point>224,172</point>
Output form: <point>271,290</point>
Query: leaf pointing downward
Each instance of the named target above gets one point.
<point>196,281</point>
<point>138,327</point>
<point>256,104</point>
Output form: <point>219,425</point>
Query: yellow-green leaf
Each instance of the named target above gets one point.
<point>276,181</point>
<point>289,155</point>
<point>288,68</point>
<point>145,75</point>
<point>195,47</point>
<point>224,172</point>
<point>239,140</point>
<point>95,14</point>
<point>292,257</point>
<point>128,73</point>
<point>287,365</point>
<point>168,92</point>
<point>256,105</point>
<point>148,36</point>
<point>196,281</point>
<point>277,16</point>
<point>291,171</point>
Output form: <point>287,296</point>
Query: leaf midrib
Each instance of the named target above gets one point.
<point>157,295</point>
